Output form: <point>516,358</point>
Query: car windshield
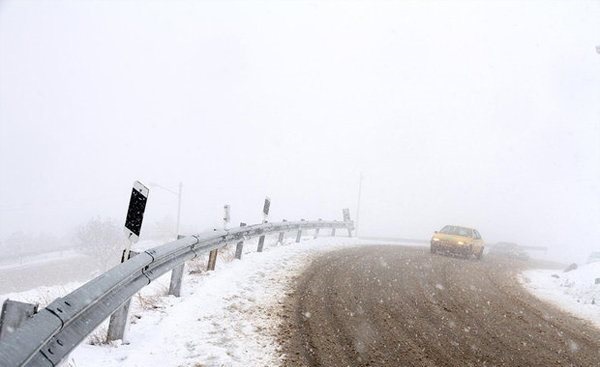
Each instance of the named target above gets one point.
<point>457,231</point>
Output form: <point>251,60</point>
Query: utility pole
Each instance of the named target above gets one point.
<point>358,205</point>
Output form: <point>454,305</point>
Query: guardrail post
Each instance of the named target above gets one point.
<point>317,230</point>
<point>346,213</point>
<point>118,323</point>
<point>13,314</point>
<point>261,243</point>
<point>176,278</point>
<point>261,239</point>
<point>117,326</point>
<point>299,235</point>
<point>212,259</point>
<point>239,247</point>
<point>281,235</point>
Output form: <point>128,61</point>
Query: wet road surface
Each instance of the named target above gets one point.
<point>402,306</point>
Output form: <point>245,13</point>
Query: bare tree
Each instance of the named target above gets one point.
<point>102,239</point>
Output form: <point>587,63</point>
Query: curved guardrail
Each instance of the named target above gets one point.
<point>47,338</point>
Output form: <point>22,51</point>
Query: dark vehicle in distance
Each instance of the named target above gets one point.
<point>509,249</point>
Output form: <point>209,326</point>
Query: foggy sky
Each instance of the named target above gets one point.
<point>477,114</point>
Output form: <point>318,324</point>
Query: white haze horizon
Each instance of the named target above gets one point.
<point>477,114</point>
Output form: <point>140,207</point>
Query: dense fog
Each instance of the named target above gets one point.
<point>478,114</point>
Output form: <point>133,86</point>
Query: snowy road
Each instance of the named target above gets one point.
<point>401,306</point>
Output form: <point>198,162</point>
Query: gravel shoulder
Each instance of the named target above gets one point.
<point>402,306</point>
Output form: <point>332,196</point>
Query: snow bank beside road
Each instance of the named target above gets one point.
<point>225,318</point>
<point>574,291</point>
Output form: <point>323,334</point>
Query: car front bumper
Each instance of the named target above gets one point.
<point>453,247</point>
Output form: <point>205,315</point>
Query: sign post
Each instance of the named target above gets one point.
<point>118,324</point>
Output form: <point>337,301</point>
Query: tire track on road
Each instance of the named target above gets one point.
<point>401,306</point>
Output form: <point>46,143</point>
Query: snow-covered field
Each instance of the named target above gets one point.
<point>224,318</point>
<point>574,291</point>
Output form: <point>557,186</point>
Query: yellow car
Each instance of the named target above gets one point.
<point>459,240</point>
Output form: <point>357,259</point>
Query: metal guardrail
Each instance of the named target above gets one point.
<point>47,338</point>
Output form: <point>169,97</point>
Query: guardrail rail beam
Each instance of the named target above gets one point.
<point>48,337</point>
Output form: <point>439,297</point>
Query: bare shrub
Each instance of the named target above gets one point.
<point>148,302</point>
<point>197,265</point>
<point>226,253</point>
<point>103,239</point>
<point>98,336</point>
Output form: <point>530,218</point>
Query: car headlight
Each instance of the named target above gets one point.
<point>435,239</point>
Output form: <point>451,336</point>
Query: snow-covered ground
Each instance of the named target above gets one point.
<point>574,291</point>
<point>227,317</point>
